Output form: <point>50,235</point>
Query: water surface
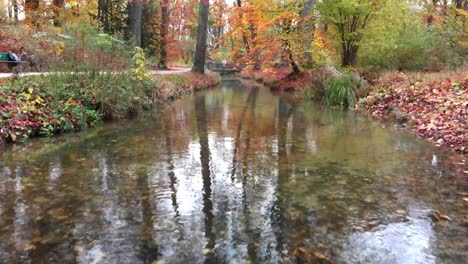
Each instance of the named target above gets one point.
<point>232,175</point>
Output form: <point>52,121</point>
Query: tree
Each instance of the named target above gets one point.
<point>150,27</point>
<point>163,33</point>
<point>12,10</point>
<point>272,33</point>
<point>135,13</point>
<point>15,9</point>
<point>200,51</point>
<point>112,15</point>
<point>307,30</point>
<point>31,9</point>
<point>287,29</point>
<point>57,6</point>
<point>350,17</point>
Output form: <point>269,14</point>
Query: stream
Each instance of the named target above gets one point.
<point>234,174</point>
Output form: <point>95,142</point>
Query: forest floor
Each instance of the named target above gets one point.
<point>434,106</point>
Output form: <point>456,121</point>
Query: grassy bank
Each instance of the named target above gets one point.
<point>47,105</point>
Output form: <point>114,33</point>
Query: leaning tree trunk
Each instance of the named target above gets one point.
<point>200,51</point>
<point>135,12</point>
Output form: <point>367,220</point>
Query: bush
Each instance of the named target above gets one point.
<point>340,91</point>
<point>67,102</point>
<point>28,109</point>
<point>416,48</point>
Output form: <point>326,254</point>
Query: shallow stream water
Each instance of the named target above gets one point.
<point>235,174</point>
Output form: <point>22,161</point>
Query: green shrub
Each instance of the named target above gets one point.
<point>339,91</point>
<point>416,48</point>
<point>113,95</point>
<point>308,95</point>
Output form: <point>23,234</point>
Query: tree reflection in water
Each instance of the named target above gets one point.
<point>229,176</point>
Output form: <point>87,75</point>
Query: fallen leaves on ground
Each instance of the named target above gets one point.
<point>437,112</point>
<point>437,216</point>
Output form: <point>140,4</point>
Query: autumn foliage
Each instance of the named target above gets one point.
<point>437,112</point>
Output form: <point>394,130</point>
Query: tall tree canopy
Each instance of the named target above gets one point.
<point>297,34</point>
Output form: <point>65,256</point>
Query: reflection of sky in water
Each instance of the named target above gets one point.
<point>404,243</point>
<point>278,179</point>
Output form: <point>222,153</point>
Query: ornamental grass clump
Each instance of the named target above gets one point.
<point>339,91</point>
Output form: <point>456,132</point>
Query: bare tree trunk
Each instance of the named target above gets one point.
<point>163,32</point>
<point>200,51</point>
<point>135,9</point>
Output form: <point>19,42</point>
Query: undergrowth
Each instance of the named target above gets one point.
<point>343,91</point>
<point>339,91</point>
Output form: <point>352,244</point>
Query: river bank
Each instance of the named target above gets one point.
<point>47,105</point>
<point>433,106</point>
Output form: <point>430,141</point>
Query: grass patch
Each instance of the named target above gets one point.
<point>339,91</point>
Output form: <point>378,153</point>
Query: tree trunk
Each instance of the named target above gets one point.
<point>293,63</point>
<point>287,47</point>
<point>163,33</point>
<point>200,51</point>
<point>256,53</point>
<point>135,13</point>
<point>10,10</point>
<point>349,55</point>
<point>308,31</point>
<point>15,10</point>
<point>58,6</point>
